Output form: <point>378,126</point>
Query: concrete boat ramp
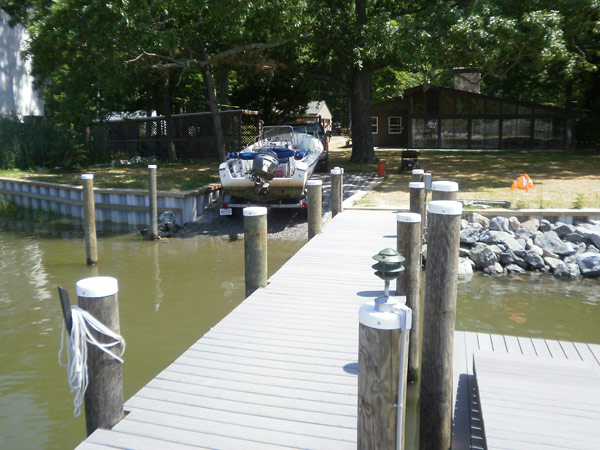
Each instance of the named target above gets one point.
<point>280,370</point>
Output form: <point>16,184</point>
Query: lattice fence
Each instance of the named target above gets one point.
<point>193,135</point>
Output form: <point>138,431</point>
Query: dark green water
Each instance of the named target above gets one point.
<point>172,292</point>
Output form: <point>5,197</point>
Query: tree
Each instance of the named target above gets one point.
<point>203,35</point>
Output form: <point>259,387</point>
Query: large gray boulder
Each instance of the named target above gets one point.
<point>481,220</point>
<point>495,237</point>
<point>513,268</point>
<point>494,269</point>
<point>465,268</point>
<point>470,235</point>
<point>545,226</point>
<point>550,242</point>
<point>535,261</point>
<point>552,262</point>
<point>574,238</point>
<point>589,264</point>
<point>563,229</point>
<point>531,225</point>
<point>592,235</point>
<point>567,271</point>
<point>482,255</point>
<point>524,234</point>
<point>514,223</point>
<point>499,224</point>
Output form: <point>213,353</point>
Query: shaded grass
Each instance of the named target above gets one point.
<point>170,177</point>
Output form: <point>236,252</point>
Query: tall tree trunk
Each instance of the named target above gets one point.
<point>360,99</point>
<point>223,80</point>
<point>168,119</point>
<point>209,83</point>
<point>360,108</point>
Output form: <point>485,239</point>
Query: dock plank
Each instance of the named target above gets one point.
<point>546,401</point>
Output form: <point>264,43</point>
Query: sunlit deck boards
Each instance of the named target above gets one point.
<point>280,370</point>
<point>528,393</point>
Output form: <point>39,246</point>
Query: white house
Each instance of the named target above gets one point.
<point>17,94</point>
<point>320,109</point>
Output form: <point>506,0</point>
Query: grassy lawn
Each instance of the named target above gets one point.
<point>562,179</point>
<point>170,177</point>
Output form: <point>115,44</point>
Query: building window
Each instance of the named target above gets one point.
<point>374,124</point>
<point>424,133</point>
<point>395,125</point>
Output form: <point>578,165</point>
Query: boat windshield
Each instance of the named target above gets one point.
<point>278,133</point>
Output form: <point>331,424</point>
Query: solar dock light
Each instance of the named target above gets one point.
<point>382,360</point>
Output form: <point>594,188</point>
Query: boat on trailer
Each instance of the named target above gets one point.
<point>271,171</point>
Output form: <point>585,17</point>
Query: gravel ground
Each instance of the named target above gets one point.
<point>289,224</point>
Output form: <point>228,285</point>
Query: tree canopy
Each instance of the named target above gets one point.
<point>95,57</point>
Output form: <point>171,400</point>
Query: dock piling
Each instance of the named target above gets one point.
<point>382,363</point>
<point>408,243</point>
<point>153,202</point>
<point>444,190</point>
<point>337,191</point>
<point>315,207</point>
<point>255,248</point>
<point>89,219</point>
<point>104,394</point>
<point>417,200</point>
<point>439,315</point>
<point>417,175</point>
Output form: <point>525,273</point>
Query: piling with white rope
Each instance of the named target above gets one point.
<point>104,395</point>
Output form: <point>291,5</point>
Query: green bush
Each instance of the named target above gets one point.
<point>38,142</point>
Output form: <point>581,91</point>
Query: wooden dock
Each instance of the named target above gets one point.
<point>280,370</point>
<point>526,393</point>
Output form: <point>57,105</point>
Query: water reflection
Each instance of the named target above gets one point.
<point>531,305</point>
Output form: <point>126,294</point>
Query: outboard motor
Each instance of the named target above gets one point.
<point>264,165</point>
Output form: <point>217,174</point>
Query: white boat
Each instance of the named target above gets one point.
<point>273,169</point>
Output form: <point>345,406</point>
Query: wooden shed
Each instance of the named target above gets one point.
<point>319,109</point>
<point>441,117</point>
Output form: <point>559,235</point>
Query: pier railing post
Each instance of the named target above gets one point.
<point>104,394</point>
<point>153,202</point>
<point>315,207</point>
<point>382,363</point>
<point>337,191</point>
<point>417,200</point>
<point>444,190</point>
<point>439,317</point>
<point>417,175</point>
<point>89,219</point>
<point>255,248</point>
<point>408,242</point>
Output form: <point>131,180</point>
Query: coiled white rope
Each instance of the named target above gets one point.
<point>76,342</point>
